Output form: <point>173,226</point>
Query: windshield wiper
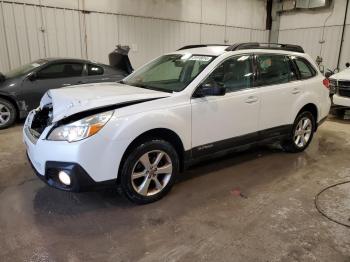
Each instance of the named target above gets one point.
<point>142,86</point>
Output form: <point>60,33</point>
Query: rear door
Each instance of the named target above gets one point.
<point>279,91</point>
<point>222,122</point>
<point>54,75</point>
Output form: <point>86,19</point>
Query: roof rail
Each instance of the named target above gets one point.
<point>256,45</point>
<point>196,46</point>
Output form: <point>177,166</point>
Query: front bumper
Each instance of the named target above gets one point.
<point>91,163</point>
<point>80,179</point>
<point>341,101</point>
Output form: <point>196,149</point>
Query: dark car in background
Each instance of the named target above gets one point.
<point>22,88</point>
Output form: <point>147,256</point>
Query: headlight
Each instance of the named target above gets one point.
<point>81,129</point>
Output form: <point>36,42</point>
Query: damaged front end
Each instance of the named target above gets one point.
<point>39,119</point>
<point>42,119</point>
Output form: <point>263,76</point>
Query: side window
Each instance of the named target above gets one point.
<point>234,74</point>
<point>305,69</point>
<point>61,70</point>
<point>94,70</point>
<point>274,69</point>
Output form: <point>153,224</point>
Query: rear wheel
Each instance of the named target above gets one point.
<point>7,113</point>
<point>301,134</point>
<point>149,171</point>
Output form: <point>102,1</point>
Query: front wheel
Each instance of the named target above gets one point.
<point>149,171</point>
<point>301,133</point>
<point>7,113</point>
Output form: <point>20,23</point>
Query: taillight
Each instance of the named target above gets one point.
<point>326,82</point>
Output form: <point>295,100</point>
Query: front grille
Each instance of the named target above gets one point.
<point>342,87</point>
<point>345,84</point>
<point>41,120</point>
<point>344,92</point>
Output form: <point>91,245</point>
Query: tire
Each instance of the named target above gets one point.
<point>144,181</point>
<point>294,144</point>
<point>8,114</point>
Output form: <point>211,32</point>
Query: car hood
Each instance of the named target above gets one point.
<point>343,75</point>
<point>72,100</point>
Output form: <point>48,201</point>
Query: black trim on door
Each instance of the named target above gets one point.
<point>233,143</point>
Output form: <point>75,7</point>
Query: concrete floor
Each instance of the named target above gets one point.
<point>202,219</point>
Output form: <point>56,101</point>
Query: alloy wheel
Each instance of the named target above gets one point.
<point>5,114</point>
<point>303,132</point>
<point>151,173</point>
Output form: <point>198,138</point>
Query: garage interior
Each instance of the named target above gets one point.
<point>259,204</point>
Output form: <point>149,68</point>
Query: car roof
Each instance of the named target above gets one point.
<point>207,50</point>
<point>217,50</point>
<point>67,59</point>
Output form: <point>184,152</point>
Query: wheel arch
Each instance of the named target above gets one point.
<point>312,108</point>
<point>162,133</point>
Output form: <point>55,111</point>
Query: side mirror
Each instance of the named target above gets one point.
<point>328,74</point>
<point>347,64</point>
<point>32,76</point>
<point>210,89</point>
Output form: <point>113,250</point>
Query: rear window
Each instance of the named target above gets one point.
<point>305,69</point>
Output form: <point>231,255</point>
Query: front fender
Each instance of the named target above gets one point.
<point>175,119</point>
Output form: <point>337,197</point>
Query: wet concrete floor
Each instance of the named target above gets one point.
<point>202,219</point>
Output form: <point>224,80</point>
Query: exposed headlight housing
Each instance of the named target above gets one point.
<point>81,129</point>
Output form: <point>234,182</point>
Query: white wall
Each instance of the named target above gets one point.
<point>309,28</point>
<point>30,29</point>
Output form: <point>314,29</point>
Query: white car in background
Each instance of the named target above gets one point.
<point>181,108</point>
<point>340,84</point>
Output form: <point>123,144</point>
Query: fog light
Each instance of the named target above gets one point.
<point>64,178</point>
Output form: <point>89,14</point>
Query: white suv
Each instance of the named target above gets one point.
<point>178,109</point>
<point>340,84</point>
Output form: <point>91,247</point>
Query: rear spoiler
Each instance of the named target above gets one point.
<point>119,59</point>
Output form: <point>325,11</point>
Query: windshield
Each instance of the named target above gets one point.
<point>169,73</point>
<point>24,69</point>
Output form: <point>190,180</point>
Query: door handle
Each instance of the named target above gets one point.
<point>296,91</point>
<point>66,84</point>
<point>81,82</point>
<point>251,99</point>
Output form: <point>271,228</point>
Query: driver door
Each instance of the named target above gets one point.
<point>222,122</point>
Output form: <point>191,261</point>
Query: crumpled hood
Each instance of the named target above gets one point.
<point>75,99</point>
<point>343,75</point>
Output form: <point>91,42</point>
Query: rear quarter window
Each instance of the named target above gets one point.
<point>306,70</point>
<point>94,70</point>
